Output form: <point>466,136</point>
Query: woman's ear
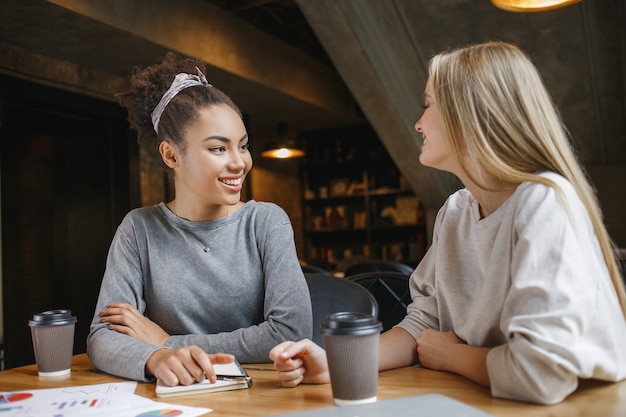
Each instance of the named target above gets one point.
<point>169,154</point>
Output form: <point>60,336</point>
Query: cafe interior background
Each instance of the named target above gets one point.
<point>341,79</point>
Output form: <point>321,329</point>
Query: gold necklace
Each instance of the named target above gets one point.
<point>205,248</point>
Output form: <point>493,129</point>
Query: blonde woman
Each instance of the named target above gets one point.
<point>520,290</point>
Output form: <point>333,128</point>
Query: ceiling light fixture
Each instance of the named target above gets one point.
<point>531,5</point>
<point>283,148</point>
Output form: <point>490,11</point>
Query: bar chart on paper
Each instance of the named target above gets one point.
<point>73,404</point>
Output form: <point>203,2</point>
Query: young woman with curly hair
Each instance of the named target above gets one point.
<point>203,273</point>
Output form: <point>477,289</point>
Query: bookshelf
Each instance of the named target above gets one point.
<point>356,202</point>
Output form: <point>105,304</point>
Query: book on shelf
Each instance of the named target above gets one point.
<point>230,376</point>
<point>335,217</point>
<point>407,210</point>
<point>360,220</point>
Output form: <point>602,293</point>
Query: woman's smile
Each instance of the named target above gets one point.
<point>234,184</point>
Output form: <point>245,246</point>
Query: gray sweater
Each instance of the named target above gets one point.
<point>244,296</point>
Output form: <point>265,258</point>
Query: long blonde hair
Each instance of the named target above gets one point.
<point>495,106</point>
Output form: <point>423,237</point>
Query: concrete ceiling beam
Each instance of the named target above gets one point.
<point>378,63</point>
<point>198,29</point>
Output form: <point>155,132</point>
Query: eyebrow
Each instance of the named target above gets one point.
<point>225,139</point>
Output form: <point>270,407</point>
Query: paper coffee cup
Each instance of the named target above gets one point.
<point>53,341</point>
<point>351,341</point>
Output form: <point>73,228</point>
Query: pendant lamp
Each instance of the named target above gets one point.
<point>526,6</point>
<point>283,148</point>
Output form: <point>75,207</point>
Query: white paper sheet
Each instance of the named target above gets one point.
<point>103,400</point>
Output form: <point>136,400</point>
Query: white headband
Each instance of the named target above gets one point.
<point>182,81</point>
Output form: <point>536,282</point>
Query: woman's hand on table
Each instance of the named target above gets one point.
<point>300,362</point>
<point>441,351</point>
<point>126,319</point>
<point>184,366</point>
<point>434,349</point>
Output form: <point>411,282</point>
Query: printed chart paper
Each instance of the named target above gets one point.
<point>102,400</point>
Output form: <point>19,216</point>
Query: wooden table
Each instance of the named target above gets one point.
<point>266,397</point>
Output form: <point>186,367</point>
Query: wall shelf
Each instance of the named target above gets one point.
<point>356,203</point>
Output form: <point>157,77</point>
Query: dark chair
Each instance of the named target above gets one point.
<point>330,294</point>
<point>375,265</point>
<point>391,290</point>
<point>314,269</point>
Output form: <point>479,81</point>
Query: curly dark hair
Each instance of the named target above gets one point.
<point>147,86</point>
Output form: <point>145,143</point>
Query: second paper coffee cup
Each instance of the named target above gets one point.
<point>351,341</point>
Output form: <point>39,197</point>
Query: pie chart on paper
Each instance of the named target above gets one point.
<point>168,412</point>
<point>12,398</point>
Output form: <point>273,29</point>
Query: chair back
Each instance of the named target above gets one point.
<point>391,290</point>
<point>330,294</point>
<point>377,265</point>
